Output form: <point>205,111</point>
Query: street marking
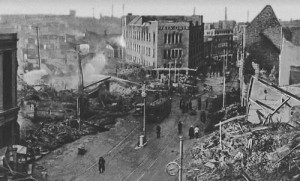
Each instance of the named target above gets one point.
<point>108,151</point>
<point>141,176</point>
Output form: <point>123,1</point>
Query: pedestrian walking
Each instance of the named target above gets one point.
<point>101,165</point>
<point>206,102</point>
<point>191,132</point>
<point>179,127</point>
<point>199,103</point>
<point>190,105</point>
<point>181,103</point>
<point>196,131</point>
<point>158,130</point>
<point>186,107</point>
<point>203,116</point>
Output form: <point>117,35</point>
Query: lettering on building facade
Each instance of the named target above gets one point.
<point>173,28</point>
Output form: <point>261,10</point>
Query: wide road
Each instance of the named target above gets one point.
<point>118,146</point>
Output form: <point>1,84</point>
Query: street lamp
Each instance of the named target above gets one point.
<point>144,94</point>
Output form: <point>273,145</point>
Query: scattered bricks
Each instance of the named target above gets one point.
<point>210,165</point>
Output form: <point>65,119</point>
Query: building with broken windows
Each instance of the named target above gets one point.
<point>9,128</point>
<point>271,51</point>
<point>163,41</point>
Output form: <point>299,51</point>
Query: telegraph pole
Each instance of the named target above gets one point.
<point>144,94</point>
<point>224,95</point>
<point>38,46</point>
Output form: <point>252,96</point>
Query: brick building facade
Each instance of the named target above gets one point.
<point>9,128</point>
<point>160,41</point>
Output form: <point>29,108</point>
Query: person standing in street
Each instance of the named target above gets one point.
<point>179,127</point>
<point>196,131</point>
<point>199,103</point>
<point>206,101</point>
<point>190,105</point>
<point>180,103</point>
<point>191,132</point>
<point>101,165</point>
<point>158,130</point>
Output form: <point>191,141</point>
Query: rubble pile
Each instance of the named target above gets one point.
<point>248,151</point>
<point>118,89</point>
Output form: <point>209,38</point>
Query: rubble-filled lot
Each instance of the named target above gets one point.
<point>248,152</point>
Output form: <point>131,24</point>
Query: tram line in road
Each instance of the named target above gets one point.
<point>147,163</point>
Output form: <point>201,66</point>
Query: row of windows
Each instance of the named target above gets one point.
<point>223,38</point>
<point>141,36</point>
<point>223,32</point>
<point>173,38</point>
<point>195,35</point>
<point>224,44</point>
<point>137,60</point>
<point>140,49</point>
<point>173,53</point>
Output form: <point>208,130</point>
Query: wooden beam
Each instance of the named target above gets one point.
<point>231,119</point>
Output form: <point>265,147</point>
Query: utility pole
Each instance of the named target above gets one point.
<point>38,46</point>
<point>181,156</point>
<point>224,95</point>
<point>144,94</point>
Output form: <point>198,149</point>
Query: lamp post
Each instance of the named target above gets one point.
<point>181,156</point>
<point>144,94</point>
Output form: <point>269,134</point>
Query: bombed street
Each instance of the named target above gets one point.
<point>149,90</point>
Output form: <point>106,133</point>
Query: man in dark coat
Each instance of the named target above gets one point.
<point>203,116</point>
<point>101,165</point>
<point>179,127</point>
<point>199,103</point>
<point>190,105</point>
<point>158,129</point>
<point>191,132</point>
<point>180,104</point>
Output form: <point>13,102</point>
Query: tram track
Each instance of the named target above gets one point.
<point>139,172</point>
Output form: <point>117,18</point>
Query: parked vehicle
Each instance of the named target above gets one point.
<point>158,110</point>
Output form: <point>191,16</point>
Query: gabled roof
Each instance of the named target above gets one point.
<point>264,17</point>
<point>274,35</point>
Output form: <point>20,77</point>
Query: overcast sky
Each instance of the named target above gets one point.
<point>212,10</point>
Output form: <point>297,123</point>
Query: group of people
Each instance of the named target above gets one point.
<point>185,105</point>
<point>194,132</point>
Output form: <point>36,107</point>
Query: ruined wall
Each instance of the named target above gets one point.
<point>262,38</point>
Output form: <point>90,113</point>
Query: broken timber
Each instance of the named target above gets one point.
<point>231,119</point>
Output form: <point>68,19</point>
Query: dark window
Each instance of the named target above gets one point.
<point>169,38</point>
<point>166,37</point>
<point>180,38</point>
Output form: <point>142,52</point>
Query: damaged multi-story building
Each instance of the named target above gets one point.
<point>9,127</point>
<point>164,41</point>
<point>263,51</point>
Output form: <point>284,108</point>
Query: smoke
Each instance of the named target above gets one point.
<point>92,71</point>
<point>34,77</point>
<point>119,41</point>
